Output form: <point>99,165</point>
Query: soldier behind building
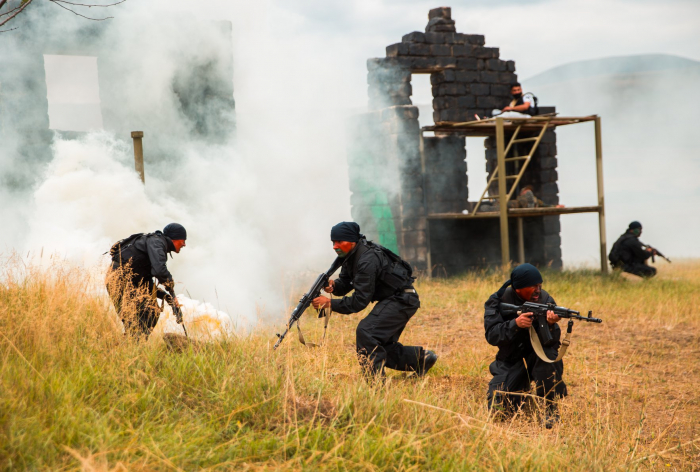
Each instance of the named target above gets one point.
<point>376,274</point>
<point>136,260</point>
<point>516,363</point>
<point>629,254</point>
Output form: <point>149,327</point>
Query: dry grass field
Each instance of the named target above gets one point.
<point>75,395</point>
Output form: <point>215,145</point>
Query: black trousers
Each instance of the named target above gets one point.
<point>639,269</point>
<point>135,303</point>
<point>378,335</point>
<point>516,377</point>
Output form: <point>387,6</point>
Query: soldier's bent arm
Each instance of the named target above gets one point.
<point>637,249</point>
<point>158,255</point>
<point>498,330</point>
<point>363,283</point>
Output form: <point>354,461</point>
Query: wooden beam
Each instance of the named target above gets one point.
<point>502,202</point>
<point>516,213</point>
<point>137,136</point>
<point>521,242</point>
<point>601,197</point>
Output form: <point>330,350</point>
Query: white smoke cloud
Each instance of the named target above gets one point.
<point>263,207</point>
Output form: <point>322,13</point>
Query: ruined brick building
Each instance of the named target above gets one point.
<point>402,181</point>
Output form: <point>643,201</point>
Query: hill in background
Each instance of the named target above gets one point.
<point>647,105</point>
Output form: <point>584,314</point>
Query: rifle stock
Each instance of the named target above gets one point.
<point>306,299</point>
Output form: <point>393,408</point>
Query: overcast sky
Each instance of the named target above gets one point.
<point>301,35</point>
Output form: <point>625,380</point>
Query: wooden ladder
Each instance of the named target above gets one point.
<point>515,179</point>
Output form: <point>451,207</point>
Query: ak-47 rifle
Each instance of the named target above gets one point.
<point>305,301</point>
<point>169,298</point>
<point>539,311</point>
<point>655,252</point>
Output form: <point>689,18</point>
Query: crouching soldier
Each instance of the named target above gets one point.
<point>629,253</point>
<point>516,362</point>
<point>135,261</point>
<point>376,274</point>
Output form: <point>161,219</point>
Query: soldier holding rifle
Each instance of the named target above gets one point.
<point>136,260</point>
<point>376,274</point>
<point>630,254</point>
<point>517,363</point>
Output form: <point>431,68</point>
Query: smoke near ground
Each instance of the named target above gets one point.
<point>257,208</point>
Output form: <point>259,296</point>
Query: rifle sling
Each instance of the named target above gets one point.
<point>326,319</point>
<point>565,343</point>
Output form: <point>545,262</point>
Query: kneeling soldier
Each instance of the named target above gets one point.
<point>516,362</point>
<point>376,274</point>
<point>135,261</point>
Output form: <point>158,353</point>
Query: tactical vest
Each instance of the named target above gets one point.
<point>395,274</point>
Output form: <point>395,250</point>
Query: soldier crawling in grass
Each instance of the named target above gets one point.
<point>136,260</point>
<point>376,274</point>
<point>517,363</point>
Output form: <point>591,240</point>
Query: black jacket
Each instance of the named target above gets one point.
<point>631,249</point>
<point>148,257</point>
<point>513,342</point>
<point>361,271</point>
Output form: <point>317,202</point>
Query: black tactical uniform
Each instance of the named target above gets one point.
<point>632,256</point>
<point>130,281</point>
<point>510,373</point>
<point>378,334</point>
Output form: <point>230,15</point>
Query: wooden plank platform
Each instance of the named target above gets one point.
<point>516,213</point>
<point>487,127</point>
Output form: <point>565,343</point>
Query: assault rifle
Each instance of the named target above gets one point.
<point>655,252</point>
<point>539,311</point>
<point>305,301</point>
<point>170,300</point>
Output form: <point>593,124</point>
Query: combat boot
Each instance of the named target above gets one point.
<point>428,361</point>
<point>551,416</point>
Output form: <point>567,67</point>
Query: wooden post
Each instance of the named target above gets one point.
<point>138,154</point>
<point>502,203</point>
<point>601,197</point>
<point>428,257</point>
<point>521,242</point>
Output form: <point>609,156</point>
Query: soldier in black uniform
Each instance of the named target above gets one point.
<point>516,363</point>
<point>519,103</point>
<point>376,274</point>
<point>630,255</point>
<point>135,261</point>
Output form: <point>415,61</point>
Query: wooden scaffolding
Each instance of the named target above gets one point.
<point>535,127</point>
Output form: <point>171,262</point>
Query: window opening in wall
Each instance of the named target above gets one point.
<point>73,93</point>
<point>422,97</point>
<point>476,163</point>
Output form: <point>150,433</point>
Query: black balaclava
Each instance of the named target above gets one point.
<point>525,275</point>
<point>346,231</point>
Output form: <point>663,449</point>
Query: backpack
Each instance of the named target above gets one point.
<point>615,257</point>
<point>117,248</point>
<point>398,274</point>
<point>534,109</point>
